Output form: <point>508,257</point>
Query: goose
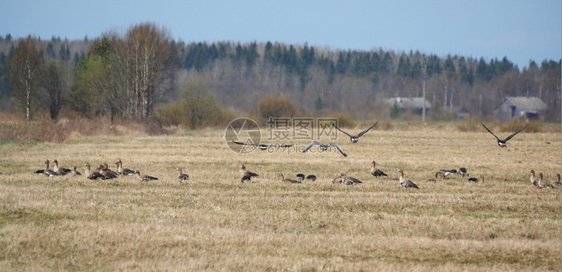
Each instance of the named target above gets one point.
<point>300,176</point>
<point>145,177</point>
<point>41,171</point>
<point>245,174</point>
<point>181,176</point>
<point>92,175</point>
<point>74,172</point>
<point>447,173</point>
<point>475,180</point>
<point>48,172</point>
<point>558,180</point>
<point>406,182</point>
<point>376,172</point>
<point>463,172</point>
<point>311,177</point>
<point>503,143</point>
<point>534,180</point>
<point>544,184</point>
<point>440,175</point>
<point>354,139</point>
<point>286,180</point>
<point>338,179</point>
<point>263,146</point>
<point>60,170</point>
<point>123,171</point>
<point>324,147</point>
<point>108,173</point>
<point>349,180</point>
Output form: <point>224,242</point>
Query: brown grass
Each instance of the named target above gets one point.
<point>214,222</point>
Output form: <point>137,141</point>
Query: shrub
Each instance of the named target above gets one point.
<point>275,107</point>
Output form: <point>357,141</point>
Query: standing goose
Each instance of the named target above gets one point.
<point>543,183</point>
<point>181,176</point>
<point>123,171</point>
<point>311,177</point>
<point>463,172</point>
<point>558,180</point>
<point>245,174</point>
<point>145,177</point>
<point>324,147</point>
<point>287,180</point>
<point>503,143</point>
<point>354,139</point>
<point>48,172</point>
<point>406,182</point>
<point>534,180</point>
<point>375,171</point>
<point>60,170</point>
<point>300,176</point>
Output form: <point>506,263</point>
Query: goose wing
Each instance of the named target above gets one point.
<point>341,151</point>
<point>342,131</point>
<point>491,131</point>
<point>367,130</point>
<point>515,133</point>
<point>310,145</point>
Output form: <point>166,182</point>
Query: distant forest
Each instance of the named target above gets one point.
<point>143,72</point>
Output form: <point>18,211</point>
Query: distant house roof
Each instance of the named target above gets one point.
<point>527,104</point>
<point>403,102</point>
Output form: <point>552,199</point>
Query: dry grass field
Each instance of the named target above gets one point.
<point>213,222</point>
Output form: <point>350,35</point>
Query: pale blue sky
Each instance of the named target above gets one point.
<point>520,30</point>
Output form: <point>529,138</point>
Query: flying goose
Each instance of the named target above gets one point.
<point>287,180</point>
<point>92,175</point>
<point>300,176</point>
<point>263,146</point>
<point>311,177</point>
<point>60,170</point>
<point>145,177</point>
<point>48,172</point>
<point>123,171</point>
<point>406,182</point>
<point>74,172</point>
<point>181,176</point>
<point>544,184</point>
<point>324,147</point>
<point>355,139</point>
<point>245,174</point>
<point>349,180</point>
<point>534,180</point>
<point>503,143</point>
<point>376,172</point>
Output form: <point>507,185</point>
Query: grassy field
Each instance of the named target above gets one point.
<point>213,222</point>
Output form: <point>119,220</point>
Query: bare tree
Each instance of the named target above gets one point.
<point>23,70</point>
<point>148,59</point>
<point>54,79</point>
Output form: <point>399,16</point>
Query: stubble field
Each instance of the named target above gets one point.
<point>214,222</point>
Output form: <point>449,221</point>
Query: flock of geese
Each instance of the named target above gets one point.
<point>342,178</point>
<point>104,173</point>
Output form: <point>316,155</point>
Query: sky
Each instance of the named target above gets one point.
<point>519,30</point>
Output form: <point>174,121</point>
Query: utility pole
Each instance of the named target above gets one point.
<point>423,86</point>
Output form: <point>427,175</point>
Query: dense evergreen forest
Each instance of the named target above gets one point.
<point>145,74</point>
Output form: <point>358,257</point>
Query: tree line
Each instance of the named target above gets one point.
<point>131,75</point>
